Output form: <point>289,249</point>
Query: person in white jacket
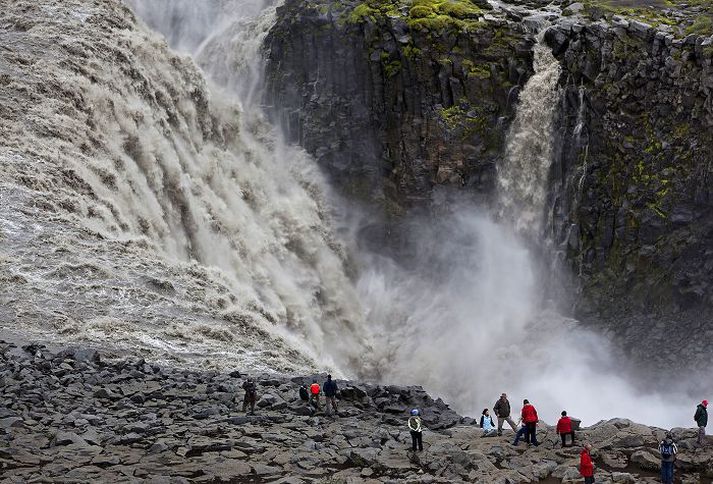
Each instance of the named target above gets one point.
<point>486,423</point>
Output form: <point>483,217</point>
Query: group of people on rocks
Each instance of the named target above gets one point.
<point>526,427</point>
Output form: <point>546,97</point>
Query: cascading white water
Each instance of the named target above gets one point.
<point>523,173</point>
<point>228,224</point>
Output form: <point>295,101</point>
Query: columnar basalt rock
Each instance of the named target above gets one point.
<point>391,103</point>
<point>396,107</point>
<point>631,193</point>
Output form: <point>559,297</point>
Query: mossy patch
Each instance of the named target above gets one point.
<point>420,14</point>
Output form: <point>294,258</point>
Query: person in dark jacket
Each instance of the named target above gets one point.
<point>530,419</point>
<point>668,450</point>
<point>564,428</point>
<point>701,418</point>
<point>250,395</point>
<point>502,411</point>
<point>586,466</point>
<point>330,394</point>
<point>304,393</point>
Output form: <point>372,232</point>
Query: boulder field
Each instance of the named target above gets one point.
<point>78,415</point>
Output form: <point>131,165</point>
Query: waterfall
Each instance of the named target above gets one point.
<point>146,204</point>
<point>167,216</point>
<point>524,170</point>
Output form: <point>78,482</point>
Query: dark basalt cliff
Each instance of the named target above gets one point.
<point>396,100</point>
<point>394,104</point>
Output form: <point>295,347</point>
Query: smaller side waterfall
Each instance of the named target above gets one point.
<point>523,173</point>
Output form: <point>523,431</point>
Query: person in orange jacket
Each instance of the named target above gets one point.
<point>586,466</point>
<point>530,419</point>
<point>564,428</point>
<point>314,393</point>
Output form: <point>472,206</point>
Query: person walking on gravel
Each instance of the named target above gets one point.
<point>530,419</point>
<point>586,466</point>
<point>502,411</point>
<point>250,395</point>
<point>330,394</point>
<point>416,429</point>
<point>701,418</point>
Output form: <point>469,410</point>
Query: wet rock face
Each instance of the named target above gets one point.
<point>79,416</point>
<point>391,104</point>
<point>635,202</point>
<point>394,108</point>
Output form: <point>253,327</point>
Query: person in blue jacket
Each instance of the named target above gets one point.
<point>330,393</point>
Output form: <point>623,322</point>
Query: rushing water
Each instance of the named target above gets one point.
<point>523,174</point>
<point>196,233</point>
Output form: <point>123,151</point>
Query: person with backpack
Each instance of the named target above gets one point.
<point>502,411</point>
<point>250,395</point>
<point>530,419</point>
<point>314,394</point>
<point>564,428</point>
<point>701,418</point>
<point>668,450</point>
<point>416,429</point>
<point>304,393</point>
<point>330,394</point>
<point>586,466</point>
<point>486,423</point>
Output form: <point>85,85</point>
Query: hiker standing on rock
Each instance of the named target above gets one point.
<point>586,466</point>
<point>701,418</point>
<point>530,418</point>
<point>668,451</point>
<point>330,394</point>
<point>502,411</point>
<point>416,429</point>
<point>486,423</point>
<point>314,394</point>
<point>250,395</point>
<point>564,428</point>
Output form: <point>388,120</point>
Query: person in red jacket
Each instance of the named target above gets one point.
<point>586,466</point>
<point>530,419</point>
<point>314,391</point>
<point>564,428</point>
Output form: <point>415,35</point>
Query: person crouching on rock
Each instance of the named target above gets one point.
<point>250,395</point>
<point>416,429</point>
<point>586,466</point>
<point>520,433</point>
<point>330,394</point>
<point>530,418</point>
<point>314,394</point>
<point>668,450</point>
<point>564,428</point>
<point>486,423</point>
<point>701,418</point>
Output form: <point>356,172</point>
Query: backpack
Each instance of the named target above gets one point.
<point>666,450</point>
<point>303,393</point>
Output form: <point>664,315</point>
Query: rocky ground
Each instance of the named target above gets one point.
<point>75,415</point>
